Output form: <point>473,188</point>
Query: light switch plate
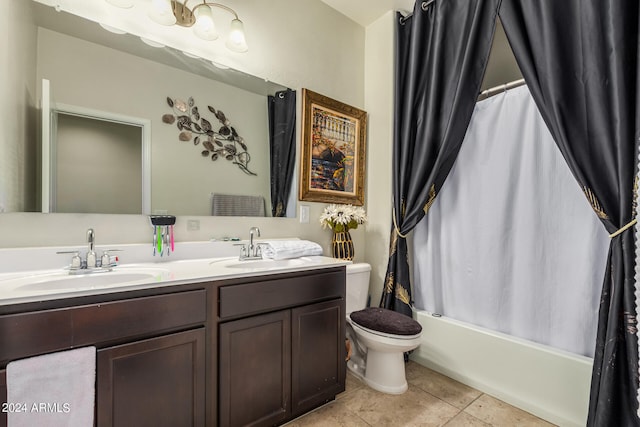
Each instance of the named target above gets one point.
<point>193,225</point>
<point>304,214</point>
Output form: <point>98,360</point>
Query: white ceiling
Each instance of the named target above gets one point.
<point>364,12</point>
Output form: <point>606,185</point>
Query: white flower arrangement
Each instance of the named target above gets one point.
<point>342,217</point>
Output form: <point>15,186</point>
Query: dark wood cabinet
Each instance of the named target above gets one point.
<point>42,331</point>
<point>317,354</point>
<point>278,365</point>
<point>150,367</point>
<point>155,382</point>
<point>255,370</point>
<point>249,351</point>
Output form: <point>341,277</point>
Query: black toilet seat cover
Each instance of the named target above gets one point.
<point>386,321</point>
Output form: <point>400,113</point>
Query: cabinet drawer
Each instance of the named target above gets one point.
<point>277,293</point>
<point>32,333</point>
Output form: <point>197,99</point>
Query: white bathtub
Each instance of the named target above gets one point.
<point>550,383</point>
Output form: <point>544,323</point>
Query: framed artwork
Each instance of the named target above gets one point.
<point>333,150</point>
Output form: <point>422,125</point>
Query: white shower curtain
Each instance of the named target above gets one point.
<point>511,243</point>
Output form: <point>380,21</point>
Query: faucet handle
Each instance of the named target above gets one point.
<point>243,249</point>
<point>76,261</point>
<point>107,260</point>
<point>259,247</point>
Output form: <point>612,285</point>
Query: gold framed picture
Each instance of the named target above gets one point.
<point>333,150</point>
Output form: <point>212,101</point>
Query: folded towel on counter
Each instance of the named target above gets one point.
<point>56,389</point>
<point>284,249</point>
<point>235,205</point>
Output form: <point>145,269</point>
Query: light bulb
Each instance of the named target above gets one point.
<point>161,12</point>
<point>204,26</point>
<point>236,40</point>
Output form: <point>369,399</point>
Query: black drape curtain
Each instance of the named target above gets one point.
<point>282,147</point>
<point>580,61</point>
<point>441,55</point>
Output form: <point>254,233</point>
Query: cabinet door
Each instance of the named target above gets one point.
<point>3,396</point>
<point>318,352</point>
<point>255,370</point>
<point>155,382</point>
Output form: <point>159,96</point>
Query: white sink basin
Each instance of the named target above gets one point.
<point>268,264</point>
<point>62,280</point>
<point>91,280</point>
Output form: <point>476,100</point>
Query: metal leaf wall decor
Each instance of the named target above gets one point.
<point>221,143</point>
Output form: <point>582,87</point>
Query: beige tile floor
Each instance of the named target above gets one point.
<point>432,400</point>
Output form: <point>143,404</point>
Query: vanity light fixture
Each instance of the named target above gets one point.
<point>200,17</point>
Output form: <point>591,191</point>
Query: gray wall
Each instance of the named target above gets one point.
<point>18,149</point>
<point>502,67</point>
<point>98,165</point>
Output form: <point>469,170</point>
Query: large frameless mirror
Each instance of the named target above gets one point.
<point>91,69</point>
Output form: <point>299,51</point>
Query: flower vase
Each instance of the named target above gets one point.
<point>342,245</point>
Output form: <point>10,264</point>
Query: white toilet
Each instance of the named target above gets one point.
<point>380,339</point>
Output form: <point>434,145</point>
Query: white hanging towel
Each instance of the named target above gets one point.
<point>285,249</point>
<point>52,390</point>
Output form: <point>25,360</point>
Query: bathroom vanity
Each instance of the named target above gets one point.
<point>256,349</point>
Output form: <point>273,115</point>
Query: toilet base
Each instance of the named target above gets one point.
<point>385,372</point>
<point>379,360</point>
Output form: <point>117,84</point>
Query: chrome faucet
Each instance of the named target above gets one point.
<point>251,250</point>
<point>91,255</point>
<point>252,247</point>
<point>91,263</point>
<point>91,235</point>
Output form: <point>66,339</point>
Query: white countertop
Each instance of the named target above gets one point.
<point>49,284</point>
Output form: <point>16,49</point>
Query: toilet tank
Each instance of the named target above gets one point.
<point>357,283</point>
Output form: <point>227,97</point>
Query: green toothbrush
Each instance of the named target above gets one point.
<point>159,241</point>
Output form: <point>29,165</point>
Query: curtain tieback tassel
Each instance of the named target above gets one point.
<point>623,229</point>
<point>395,225</point>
